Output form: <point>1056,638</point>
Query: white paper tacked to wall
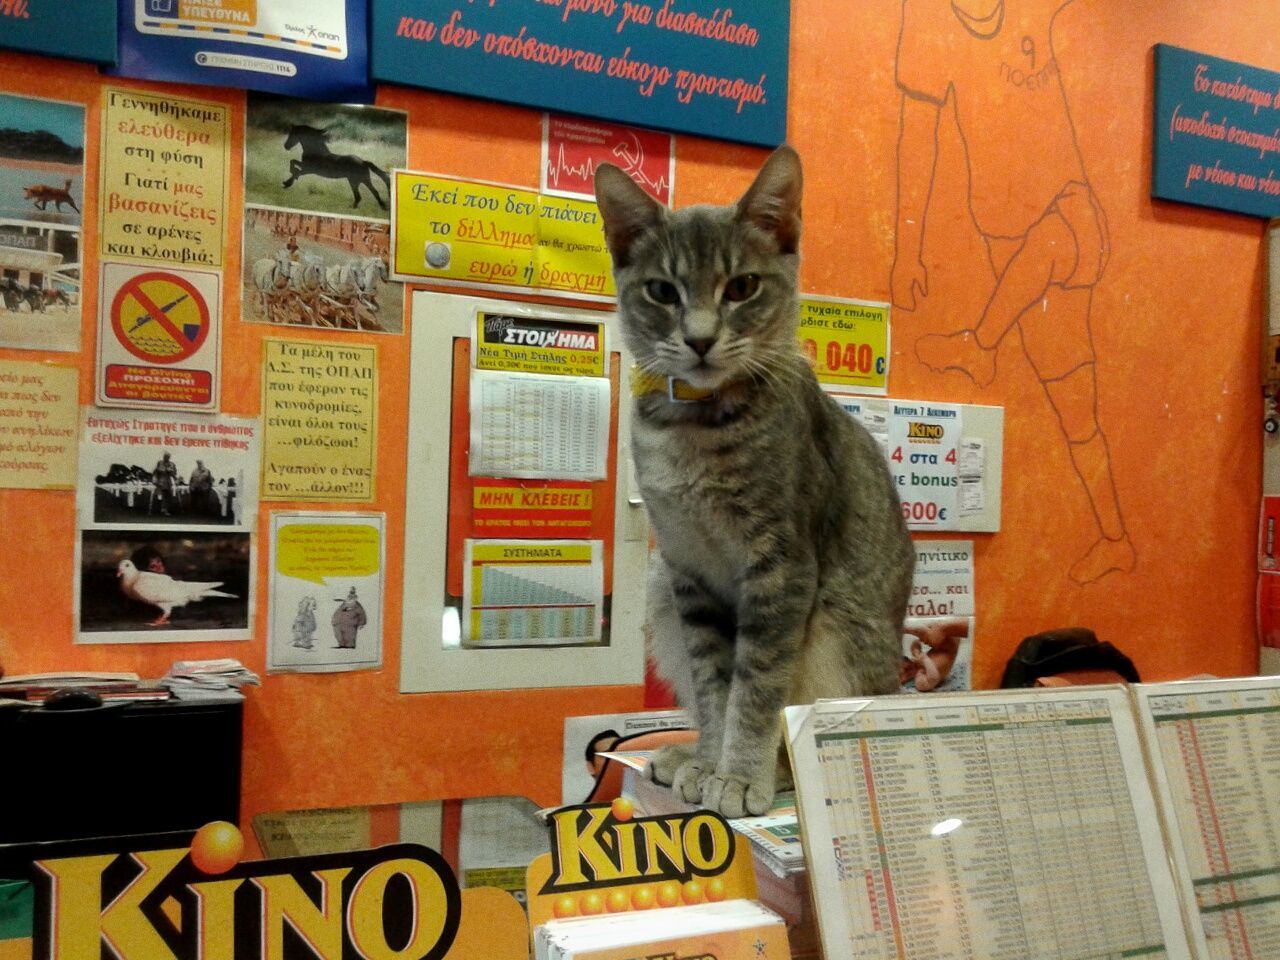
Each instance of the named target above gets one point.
<point>532,592</point>
<point>539,426</point>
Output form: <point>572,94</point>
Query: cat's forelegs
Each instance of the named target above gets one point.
<point>746,778</point>
<point>686,767</point>
<point>766,656</point>
<point>694,651</point>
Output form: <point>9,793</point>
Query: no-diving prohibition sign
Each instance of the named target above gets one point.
<point>160,317</point>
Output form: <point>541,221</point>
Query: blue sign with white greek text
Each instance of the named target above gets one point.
<point>693,66</point>
<point>313,49</point>
<point>78,29</point>
<point>1216,141</point>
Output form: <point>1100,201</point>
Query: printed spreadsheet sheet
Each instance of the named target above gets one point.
<point>1216,746</point>
<point>999,826</point>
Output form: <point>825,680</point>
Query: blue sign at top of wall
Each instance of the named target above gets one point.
<point>78,29</point>
<point>694,66</point>
<point>1216,141</point>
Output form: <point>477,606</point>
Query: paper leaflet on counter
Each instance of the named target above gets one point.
<point>729,930</point>
<point>907,796</point>
<point>218,679</point>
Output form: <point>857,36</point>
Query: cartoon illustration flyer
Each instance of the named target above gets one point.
<point>326,592</point>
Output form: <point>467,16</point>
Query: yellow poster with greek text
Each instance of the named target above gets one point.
<point>571,255</point>
<point>847,342</point>
<point>38,424</point>
<point>320,418</point>
<point>164,178</point>
<point>463,232</point>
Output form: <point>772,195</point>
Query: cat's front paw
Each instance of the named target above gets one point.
<point>689,781</point>
<point>678,766</point>
<point>737,796</point>
<point>664,764</point>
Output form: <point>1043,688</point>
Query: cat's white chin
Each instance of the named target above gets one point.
<point>704,377</point>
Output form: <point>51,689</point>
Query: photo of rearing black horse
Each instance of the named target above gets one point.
<point>319,160</point>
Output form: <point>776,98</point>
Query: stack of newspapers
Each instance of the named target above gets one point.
<point>782,875</point>
<point>775,837</point>
<point>729,930</point>
<point>208,679</point>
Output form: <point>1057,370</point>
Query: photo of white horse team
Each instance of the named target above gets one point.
<point>303,269</point>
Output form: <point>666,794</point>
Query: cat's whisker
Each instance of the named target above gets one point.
<point>775,362</point>
<point>764,372</point>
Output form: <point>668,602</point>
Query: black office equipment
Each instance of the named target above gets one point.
<point>126,768</point>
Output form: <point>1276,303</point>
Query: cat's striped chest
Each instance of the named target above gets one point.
<point>696,493</point>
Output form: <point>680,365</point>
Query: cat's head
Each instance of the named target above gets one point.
<point>707,294</point>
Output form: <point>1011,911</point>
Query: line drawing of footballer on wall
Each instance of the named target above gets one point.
<point>992,62</point>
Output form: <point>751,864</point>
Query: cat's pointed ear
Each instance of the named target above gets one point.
<point>772,203</point>
<point>627,211</point>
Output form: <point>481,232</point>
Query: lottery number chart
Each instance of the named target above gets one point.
<point>983,827</point>
<point>1217,750</point>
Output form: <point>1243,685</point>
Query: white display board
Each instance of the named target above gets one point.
<point>1015,824</point>
<point>1215,752</point>
<point>430,660</point>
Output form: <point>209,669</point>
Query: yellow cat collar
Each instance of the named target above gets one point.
<point>645,384</point>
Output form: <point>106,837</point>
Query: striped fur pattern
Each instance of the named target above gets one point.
<point>783,565</point>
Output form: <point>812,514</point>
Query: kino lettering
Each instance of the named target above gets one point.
<point>593,848</point>
<point>84,904</point>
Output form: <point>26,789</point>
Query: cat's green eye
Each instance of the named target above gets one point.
<point>741,288</point>
<point>662,291</point>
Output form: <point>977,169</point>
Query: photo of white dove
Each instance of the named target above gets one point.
<point>161,590</point>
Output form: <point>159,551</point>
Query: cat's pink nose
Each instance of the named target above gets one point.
<point>700,345</point>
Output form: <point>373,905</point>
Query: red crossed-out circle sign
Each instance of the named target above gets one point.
<point>160,317</point>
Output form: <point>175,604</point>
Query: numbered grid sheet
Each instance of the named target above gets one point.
<point>1215,746</point>
<point>996,826</point>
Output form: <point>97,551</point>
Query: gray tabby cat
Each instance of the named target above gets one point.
<point>783,564</point>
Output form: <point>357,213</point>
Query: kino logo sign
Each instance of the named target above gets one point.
<point>398,902</point>
<point>591,846</point>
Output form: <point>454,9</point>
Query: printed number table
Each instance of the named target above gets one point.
<point>1217,752</point>
<point>1001,826</point>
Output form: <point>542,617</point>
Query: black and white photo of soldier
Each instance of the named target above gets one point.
<point>198,491</point>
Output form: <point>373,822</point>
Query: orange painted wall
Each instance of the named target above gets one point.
<point>1175,320</point>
